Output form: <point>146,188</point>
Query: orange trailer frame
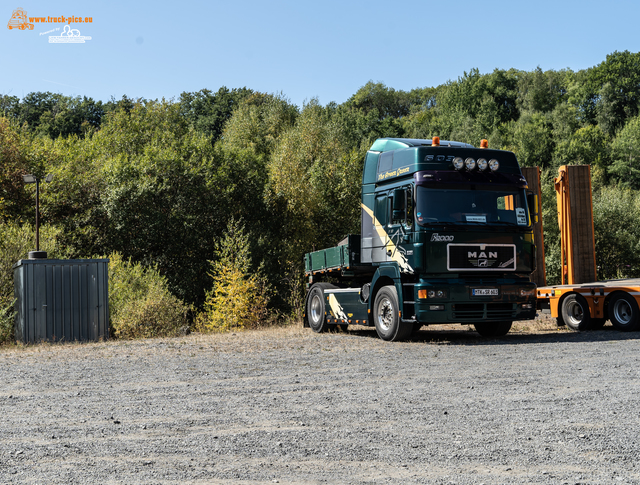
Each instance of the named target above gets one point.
<point>580,304</point>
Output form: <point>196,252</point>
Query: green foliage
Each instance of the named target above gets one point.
<point>54,115</point>
<point>208,112</point>
<point>625,155</point>
<point>313,183</point>
<point>617,232</point>
<point>140,303</point>
<point>13,164</point>
<point>6,321</point>
<point>239,296</point>
<point>257,124</point>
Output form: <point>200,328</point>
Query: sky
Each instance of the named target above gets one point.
<point>325,50</point>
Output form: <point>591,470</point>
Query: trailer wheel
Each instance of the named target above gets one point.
<point>494,329</point>
<point>315,308</point>
<point>575,312</point>
<point>386,315</point>
<point>623,312</point>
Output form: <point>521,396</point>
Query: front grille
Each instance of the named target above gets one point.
<point>481,257</point>
<point>479,311</point>
<point>500,310</point>
<point>468,311</point>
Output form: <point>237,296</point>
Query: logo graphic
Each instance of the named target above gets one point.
<point>19,20</point>
<point>438,238</point>
<point>68,36</point>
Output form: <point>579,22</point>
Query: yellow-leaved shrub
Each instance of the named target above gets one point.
<point>238,298</point>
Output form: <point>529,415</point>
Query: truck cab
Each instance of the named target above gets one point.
<point>446,238</point>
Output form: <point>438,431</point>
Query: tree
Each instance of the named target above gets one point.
<point>240,294</point>
<point>625,155</point>
<point>208,112</point>
<point>610,92</point>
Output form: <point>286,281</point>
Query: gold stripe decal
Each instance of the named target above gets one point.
<point>396,253</point>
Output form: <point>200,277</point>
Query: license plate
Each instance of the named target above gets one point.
<point>484,292</point>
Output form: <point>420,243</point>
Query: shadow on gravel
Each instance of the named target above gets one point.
<point>468,337</point>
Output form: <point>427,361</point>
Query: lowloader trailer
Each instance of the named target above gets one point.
<point>446,237</point>
<point>580,302</point>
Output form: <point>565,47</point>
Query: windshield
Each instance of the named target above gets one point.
<point>475,204</point>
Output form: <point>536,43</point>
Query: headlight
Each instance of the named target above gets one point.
<point>482,164</point>
<point>458,163</point>
<point>494,164</point>
<point>470,163</point>
<point>431,294</point>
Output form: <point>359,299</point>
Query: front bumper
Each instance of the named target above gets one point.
<point>513,301</point>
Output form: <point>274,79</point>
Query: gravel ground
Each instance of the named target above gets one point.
<point>292,407</point>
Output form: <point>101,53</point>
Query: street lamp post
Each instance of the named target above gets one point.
<point>33,179</point>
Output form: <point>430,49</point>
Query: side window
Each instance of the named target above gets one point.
<point>386,162</point>
<point>402,206</point>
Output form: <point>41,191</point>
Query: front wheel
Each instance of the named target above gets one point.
<point>623,312</point>
<point>386,314</point>
<point>493,329</point>
<point>575,312</point>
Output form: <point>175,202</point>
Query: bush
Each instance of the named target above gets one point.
<point>6,320</point>
<point>238,298</point>
<point>140,303</point>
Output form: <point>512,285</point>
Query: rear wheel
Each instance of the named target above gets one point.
<point>386,315</point>
<point>575,312</point>
<point>493,329</point>
<point>623,312</point>
<point>315,308</point>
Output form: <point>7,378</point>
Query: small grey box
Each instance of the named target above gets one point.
<point>61,299</point>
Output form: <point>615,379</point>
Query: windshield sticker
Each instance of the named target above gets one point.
<point>476,218</point>
<point>521,216</point>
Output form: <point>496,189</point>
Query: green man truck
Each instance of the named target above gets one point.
<point>446,237</point>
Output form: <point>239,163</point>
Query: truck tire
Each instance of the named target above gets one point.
<point>575,312</point>
<point>315,308</point>
<point>493,329</point>
<point>386,315</point>
<point>623,312</point>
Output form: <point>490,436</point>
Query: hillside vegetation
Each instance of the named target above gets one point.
<point>178,188</point>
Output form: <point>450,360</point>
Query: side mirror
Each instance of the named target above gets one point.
<point>532,201</point>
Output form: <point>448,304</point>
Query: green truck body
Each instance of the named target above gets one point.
<point>446,237</point>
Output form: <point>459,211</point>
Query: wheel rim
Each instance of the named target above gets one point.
<point>385,314</point>
<point>622,312</point>
<point>317,309</point>
<point>576,312</point>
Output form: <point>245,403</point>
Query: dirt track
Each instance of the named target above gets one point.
<point>290,406</point>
